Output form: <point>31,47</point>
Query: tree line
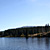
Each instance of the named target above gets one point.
<point>25,31</point>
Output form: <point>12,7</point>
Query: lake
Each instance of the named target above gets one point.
<point>21,43</point>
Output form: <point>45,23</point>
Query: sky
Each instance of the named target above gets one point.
<point>18,13</point>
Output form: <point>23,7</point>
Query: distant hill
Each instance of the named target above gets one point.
<point>27,31</point>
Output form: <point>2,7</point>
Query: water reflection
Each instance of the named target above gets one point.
<point>47,43</point>
<point>27,40</point>
<point>40,43</point>
<point>44,43</point>
<point>2,42</point>
<point>25,43</point>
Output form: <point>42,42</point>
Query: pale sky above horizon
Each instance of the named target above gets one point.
<point>18,13</point>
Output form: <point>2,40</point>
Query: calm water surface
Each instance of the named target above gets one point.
<point>24,44</point>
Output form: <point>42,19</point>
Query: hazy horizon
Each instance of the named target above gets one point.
<point>23,27</point>
<point>18,13</point>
